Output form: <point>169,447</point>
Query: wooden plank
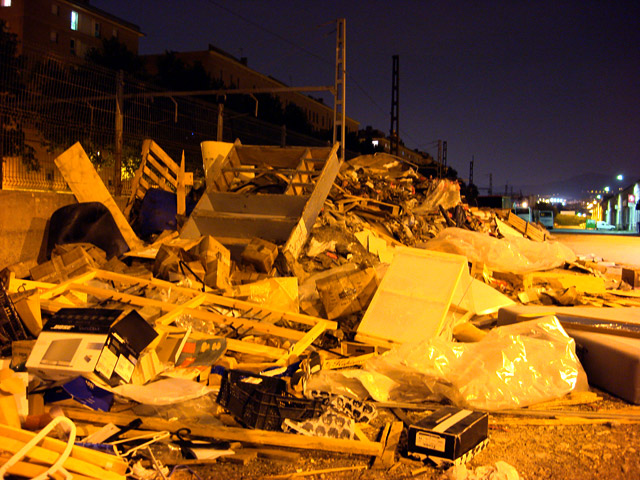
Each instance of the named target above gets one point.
<point>244,435</point>
<point>298,236</point>
<point>181,190</point>
<point>391,437</point>
<point>100,459</point>
<point>45,456</point>
<point>87,186</point>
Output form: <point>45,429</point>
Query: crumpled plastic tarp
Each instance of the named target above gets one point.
<point>166,391</point>
<point>515,255</point>
<point>512,366</point>
<point>445,193</point>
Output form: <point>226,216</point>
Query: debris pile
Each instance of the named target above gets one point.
<point>291,302</point>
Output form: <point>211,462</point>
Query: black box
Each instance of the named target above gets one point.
<point>125,342</point>
<point>448,433</point>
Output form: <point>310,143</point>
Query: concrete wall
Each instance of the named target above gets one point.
<point>24,222</point>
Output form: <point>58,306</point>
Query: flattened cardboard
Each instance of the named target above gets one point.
<point>347,292</point>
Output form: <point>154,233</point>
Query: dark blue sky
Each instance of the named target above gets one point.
<point>535,90</point>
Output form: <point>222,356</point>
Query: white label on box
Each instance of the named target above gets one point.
<point>430,441</point>
<point>106,363</point>
<point>124,368</point>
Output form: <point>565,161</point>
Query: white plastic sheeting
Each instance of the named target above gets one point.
<point>513,366</point>
<point>516,255</point>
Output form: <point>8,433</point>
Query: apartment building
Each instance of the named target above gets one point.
<point>234,72</point>
<point>64,27</point>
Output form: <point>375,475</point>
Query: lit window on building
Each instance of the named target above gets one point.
<point>55,9</point>
<point>96,29</point>
<point>74,20</point>
<point>5,3</point>
<point>53,36</point>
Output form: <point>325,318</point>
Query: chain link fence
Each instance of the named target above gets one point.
<point>47,104</point>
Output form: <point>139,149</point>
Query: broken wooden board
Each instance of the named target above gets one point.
<point>413,299</point>
<point>87,186</point>
<point>228,316</point>
<point>528,229</point>
<point>244,435</point>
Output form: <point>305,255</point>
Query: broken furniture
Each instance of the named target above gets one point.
<point>235,217</point>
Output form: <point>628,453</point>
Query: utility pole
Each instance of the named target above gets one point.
<point>471,170</point>
<point>444,154</point>
<point>394,131</point>
<point>119,127</point>
<point>339,116</point>
<point>440,169</point>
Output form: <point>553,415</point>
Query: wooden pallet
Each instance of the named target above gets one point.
<point>158,170</point>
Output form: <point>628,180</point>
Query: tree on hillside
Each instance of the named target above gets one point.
<point>12,136</point>
<point>115,55</point>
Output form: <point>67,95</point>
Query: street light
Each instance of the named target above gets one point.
<point>620,177</point>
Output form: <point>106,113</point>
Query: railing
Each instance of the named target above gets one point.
<point>48,104</point>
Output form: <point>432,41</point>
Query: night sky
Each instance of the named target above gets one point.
<point>535,90</point>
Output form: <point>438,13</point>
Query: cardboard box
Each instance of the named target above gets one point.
<point>125,343</point>
<point>346,293</point>
<point>631,276</point>
<point>63,267</point>
<point>70,342</point>
<point>448,433</point>
<point>261,254</point>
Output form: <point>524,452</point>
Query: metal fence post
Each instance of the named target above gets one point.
<point>119,128</point>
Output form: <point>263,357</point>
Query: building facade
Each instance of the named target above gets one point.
<point>64,27</point>
<point>235,73</point>
<point>623,208</point>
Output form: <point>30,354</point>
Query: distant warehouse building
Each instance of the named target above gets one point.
<point>622,209</point>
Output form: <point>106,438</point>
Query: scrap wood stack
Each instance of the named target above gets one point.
<point>274,341</point>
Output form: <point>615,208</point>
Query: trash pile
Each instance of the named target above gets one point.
<point>286,302</point>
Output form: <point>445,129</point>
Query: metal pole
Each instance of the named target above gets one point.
<point>119,128</point>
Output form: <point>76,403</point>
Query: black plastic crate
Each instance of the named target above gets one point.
<point>263,402</point>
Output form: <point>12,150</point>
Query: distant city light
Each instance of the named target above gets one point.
<point>606,189</point>
<point>620,177</point>
<point>525,204</point>
<point>598,196</point>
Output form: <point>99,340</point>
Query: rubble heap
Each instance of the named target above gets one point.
<point>290,302</point>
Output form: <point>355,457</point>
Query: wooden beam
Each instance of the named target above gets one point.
<point>87,186</point>
<point>244,435</point>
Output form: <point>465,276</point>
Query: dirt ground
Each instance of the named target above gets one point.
<point>538,448</point>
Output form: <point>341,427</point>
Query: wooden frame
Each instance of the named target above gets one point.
<point>235,218</point>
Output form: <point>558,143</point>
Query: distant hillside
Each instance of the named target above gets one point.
<point>574,187</point>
